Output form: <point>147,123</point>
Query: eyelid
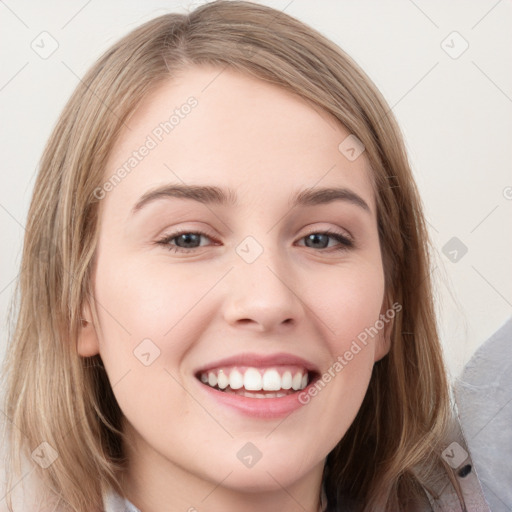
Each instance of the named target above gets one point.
<point>332,231</point>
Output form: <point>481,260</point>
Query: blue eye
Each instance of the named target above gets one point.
<point>322,239</point>
<point>187,241</point>
<point>190,240</point>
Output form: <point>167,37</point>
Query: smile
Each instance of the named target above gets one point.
<point>239,382</point>
<point>274,382</point>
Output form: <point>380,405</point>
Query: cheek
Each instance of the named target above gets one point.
<point>142,309</point>
<point>138,301</point>
<point>149,315</point>
<point>349,303</point>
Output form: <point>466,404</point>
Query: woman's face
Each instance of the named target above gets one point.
<point>252,278</point>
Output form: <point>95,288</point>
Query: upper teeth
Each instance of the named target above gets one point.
<point>253,379</point>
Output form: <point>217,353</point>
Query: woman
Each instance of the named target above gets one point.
<point>291,361</point>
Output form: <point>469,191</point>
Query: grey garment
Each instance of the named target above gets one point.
<point>462,469</point>
<point>484,399</point>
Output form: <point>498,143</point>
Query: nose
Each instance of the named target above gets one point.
<point>263,295</point>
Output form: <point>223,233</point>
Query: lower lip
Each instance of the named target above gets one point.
<point>265,408</point>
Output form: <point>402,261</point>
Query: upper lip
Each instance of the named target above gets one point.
<point>260,361</point>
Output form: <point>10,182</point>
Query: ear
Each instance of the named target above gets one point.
<point>87,343</point>
<point>383,341</point>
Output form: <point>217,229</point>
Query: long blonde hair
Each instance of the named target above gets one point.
<point>55,396</point>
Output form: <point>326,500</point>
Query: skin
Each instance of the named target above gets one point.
<point>197,307</point>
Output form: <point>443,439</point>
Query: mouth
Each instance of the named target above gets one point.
<point>255,382</point>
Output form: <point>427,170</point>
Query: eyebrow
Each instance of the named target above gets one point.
<point>227,197</point>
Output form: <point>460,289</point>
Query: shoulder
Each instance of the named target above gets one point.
<point>453,486</point>
<point>484,400</point>
<point>459,483</point>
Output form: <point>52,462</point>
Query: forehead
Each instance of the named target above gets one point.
<point>215,126</point>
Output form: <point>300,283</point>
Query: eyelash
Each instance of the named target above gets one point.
<point>345,242</point>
